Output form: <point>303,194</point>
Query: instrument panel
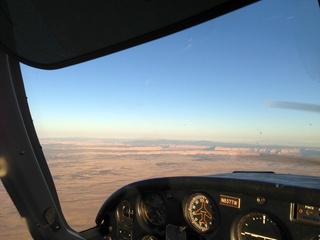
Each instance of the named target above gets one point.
<point>233,206</point>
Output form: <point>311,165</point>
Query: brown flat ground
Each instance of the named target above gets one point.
<point>86,173</point>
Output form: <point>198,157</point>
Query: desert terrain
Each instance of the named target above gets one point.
<point>86,172</point>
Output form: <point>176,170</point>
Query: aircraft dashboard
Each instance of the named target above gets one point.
<point>239,205</point>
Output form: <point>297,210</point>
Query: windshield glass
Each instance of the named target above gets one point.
<point>240,92</point>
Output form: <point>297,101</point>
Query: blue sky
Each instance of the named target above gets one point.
<point>210,82</point>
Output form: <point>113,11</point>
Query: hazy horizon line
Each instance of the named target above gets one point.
<point>176,141</point>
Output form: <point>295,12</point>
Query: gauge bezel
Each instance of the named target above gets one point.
<point>148,237</point>
<point>125,221</point>
<point>240,221</point>
<point>190,218</point>
<point>147,221</point>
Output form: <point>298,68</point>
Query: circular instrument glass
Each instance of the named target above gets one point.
<point>201,213</point>
<point>153,209</point>
<point>258,226</point>
<point>125,213</point>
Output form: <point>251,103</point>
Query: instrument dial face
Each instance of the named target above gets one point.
<point>258,226</point>
<point>201,213</point>
<point>125,213</point>
<point>154,209</point>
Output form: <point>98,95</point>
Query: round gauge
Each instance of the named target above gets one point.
<point>125,213</point>
<point>149,237</point>
<point>258,226</point>
<point>153,209</point>
<point>201,213</point>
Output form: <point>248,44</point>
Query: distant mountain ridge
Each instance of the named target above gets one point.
<point>165,146</point>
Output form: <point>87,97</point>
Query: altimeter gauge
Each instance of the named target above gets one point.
<point>201,213</point>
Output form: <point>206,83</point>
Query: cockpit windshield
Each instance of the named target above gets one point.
<point>237,93</point>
